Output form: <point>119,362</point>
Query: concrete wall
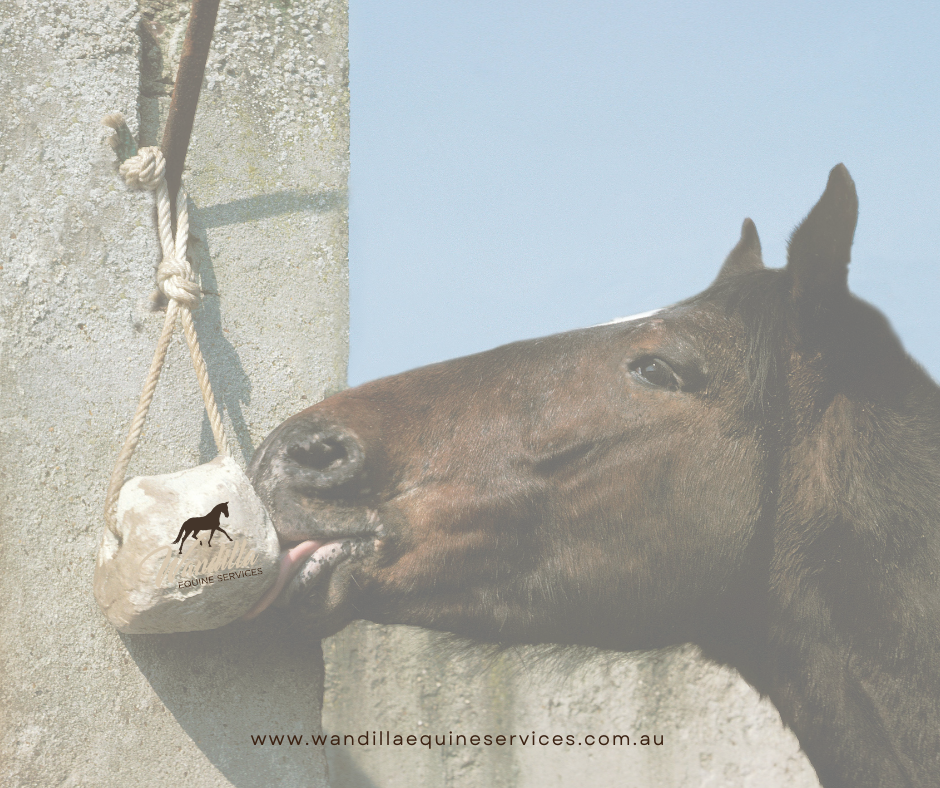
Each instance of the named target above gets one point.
<point>81,705</point>
<point>716,730</point>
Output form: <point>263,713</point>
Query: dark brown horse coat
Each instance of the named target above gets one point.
<point>755,470</point>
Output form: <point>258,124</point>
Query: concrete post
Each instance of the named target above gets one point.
<point>81,705</point>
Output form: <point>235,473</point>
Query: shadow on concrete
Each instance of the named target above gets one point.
<point>344,771</point>
<point>246,679</point>
<point>250,209</point>
<point>230,383</point>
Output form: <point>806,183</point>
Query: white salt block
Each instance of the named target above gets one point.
<point>160,574</point>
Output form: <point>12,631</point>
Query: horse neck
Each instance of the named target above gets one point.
<point>854,639</point>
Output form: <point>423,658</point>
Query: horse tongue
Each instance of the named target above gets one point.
<point>291,561</point>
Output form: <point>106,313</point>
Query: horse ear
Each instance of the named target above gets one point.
<point>745,257</point>
<point>819,249</point>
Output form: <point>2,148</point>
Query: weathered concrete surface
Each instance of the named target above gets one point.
<point>716,730</point>
<point>79,704</point>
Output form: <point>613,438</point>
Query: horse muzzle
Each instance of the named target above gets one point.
<point>311,475</point>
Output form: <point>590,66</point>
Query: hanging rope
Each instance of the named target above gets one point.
<point>146,170</point>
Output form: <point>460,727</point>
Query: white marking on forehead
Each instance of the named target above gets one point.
<point>639,316</point>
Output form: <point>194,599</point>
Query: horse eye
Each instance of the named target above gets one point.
<point>656,372</point>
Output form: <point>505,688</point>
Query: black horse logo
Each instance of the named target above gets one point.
<point>208,523</point>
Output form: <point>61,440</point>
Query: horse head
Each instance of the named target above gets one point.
<point>754,470</point>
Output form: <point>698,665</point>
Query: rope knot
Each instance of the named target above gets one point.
<point>176,281</point>
<point>145,169</point>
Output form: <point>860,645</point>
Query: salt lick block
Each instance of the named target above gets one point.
<point>144,584</point>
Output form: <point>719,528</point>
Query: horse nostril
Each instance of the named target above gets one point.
<point>326,459</point>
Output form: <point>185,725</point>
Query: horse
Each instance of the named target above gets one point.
<point>754,470</point>
<point>209,522</point>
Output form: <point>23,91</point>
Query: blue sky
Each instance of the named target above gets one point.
<point>520,169</point>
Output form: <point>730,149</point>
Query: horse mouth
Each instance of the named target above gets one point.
<point>306,564</point>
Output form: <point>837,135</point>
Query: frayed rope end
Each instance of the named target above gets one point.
<point>123,141</point>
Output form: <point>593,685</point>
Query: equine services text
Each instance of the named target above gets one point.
<point>206,581</point>
<point>387,738</point>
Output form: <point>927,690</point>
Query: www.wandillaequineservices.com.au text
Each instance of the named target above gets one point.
<point>449,739</point>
